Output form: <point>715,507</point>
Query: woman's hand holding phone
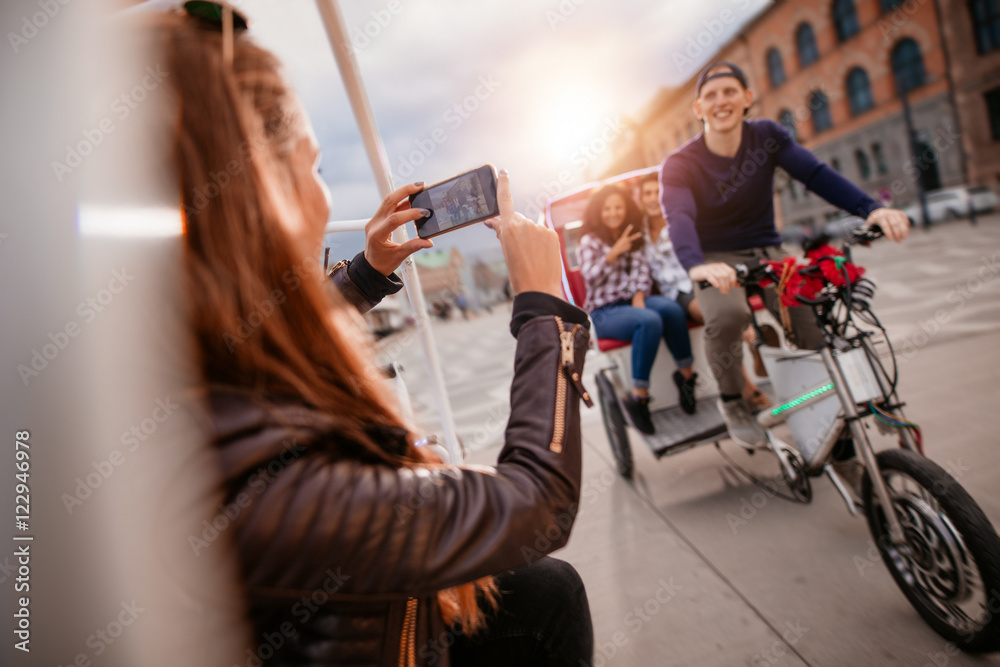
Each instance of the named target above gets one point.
<point>531,251</point>
<point>381,251</point>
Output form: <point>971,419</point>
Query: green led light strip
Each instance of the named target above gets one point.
<point>801,399</point>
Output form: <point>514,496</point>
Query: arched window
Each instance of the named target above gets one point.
<point>864,167</point>
<point>787,121</point>
<point>775,67</point>
<point>820,107</point>
<point>859,91</point>
<point>845,19</point>
<point>908,66</point>
<point>888,5</point>
<point>986,24</point>
<point>880,164</point>
<point>805,42</point>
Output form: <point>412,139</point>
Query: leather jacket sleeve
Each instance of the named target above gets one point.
<point>419,530</point>
<point>362,285</point>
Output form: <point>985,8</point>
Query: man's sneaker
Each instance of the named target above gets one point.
<point>685,388</point>
<point>638,413</point>
<point>743,427</point>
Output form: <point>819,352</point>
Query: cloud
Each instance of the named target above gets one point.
<point>564,67</point>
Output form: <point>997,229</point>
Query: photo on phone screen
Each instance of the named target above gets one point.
<point>460,201</point>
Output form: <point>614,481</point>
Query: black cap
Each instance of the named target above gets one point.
<point>733,71</point>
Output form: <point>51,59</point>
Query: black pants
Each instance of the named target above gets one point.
<point>543,619</point>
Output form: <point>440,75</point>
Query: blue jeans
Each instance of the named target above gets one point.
<point>661,318</point>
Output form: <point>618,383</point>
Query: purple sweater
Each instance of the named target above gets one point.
<point>715,203</point>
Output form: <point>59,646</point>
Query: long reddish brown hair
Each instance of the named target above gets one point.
<point>263,319</point>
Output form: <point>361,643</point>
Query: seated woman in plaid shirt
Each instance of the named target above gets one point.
<point>616,268</point>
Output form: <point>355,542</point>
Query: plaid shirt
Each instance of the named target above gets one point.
<point>608,283</point>
<point>668,274</point>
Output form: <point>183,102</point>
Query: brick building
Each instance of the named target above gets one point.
<point>832,72</point>
<point>972,35</point>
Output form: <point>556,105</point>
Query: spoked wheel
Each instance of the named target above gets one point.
<point>801,487</point>
<point>949,568</point>
<point>614,426</point>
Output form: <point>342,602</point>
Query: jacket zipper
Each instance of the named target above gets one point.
<point>408,638</point>
<point>567,369</point>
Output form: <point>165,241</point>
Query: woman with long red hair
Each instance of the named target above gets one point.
<point>432,563</point>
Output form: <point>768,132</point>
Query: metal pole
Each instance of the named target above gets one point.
<point>336,31</point>
<point>911,137</point>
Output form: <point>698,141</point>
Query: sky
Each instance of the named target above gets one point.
<point>539,87</point>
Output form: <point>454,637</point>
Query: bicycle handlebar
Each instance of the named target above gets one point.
<point>745,275</point>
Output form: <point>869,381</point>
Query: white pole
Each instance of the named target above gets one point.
<point>333,20</point>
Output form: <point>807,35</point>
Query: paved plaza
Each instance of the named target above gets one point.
<point>673,579</point>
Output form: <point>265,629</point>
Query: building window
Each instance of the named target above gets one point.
<point>986,24</point>
<point>993,108</point>
<point>859,91</point>
<point>835,163</point>
<point>820,107</point>
<point>908,66</point>
<point>888,5</point>
<point>805,42</point>
<point>787,121</point>
<point>845,19</point>
<point>864,167</point>
<point>880,164</point>
<point>775,68</point>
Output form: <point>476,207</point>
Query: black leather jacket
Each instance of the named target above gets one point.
<point>342,560</point>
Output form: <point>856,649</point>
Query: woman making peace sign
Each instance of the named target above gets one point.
<point>617,273</point>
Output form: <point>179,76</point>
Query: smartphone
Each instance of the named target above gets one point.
<point>458,202</point>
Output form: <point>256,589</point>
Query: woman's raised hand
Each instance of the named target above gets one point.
<point>382,253</point>
<point>623,244</point>
<point>531,251</point>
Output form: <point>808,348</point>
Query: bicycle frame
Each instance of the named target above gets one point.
<point>827,386</point>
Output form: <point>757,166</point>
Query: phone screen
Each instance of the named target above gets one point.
<point>463,200</point>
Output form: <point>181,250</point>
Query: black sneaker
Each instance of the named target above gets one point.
<point>685,388</point>
<point>638,413</point>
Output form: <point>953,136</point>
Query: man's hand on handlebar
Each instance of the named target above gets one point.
<point>719,274</point>
<point>894,224</point>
